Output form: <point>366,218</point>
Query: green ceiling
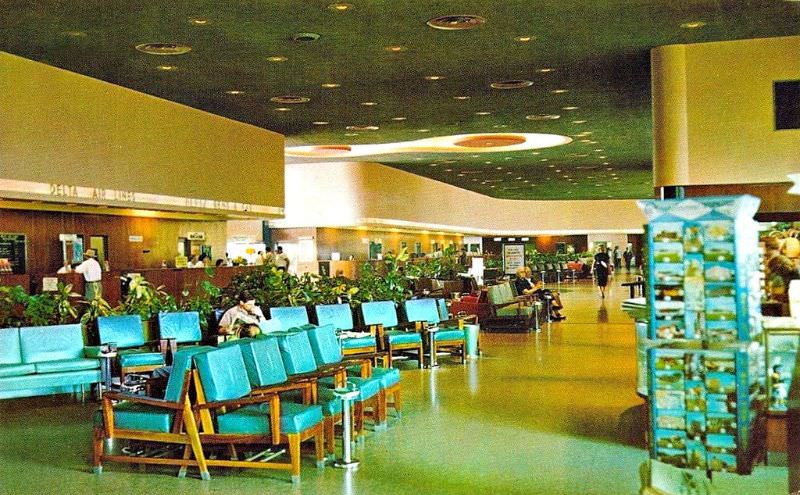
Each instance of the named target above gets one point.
<point>599,52</point>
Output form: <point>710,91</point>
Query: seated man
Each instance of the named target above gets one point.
<point>243,319</point>
<point>526,286</point>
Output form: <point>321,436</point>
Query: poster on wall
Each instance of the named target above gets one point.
<point>12,252</point>
<point>513,257</point>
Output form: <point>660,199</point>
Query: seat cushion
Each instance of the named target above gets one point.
<point>17,369</point>
<point>132,416</point>
<point>452,334</point>
<point>136,357</point>
<point>58,379</point>
<point>254,420</point>
<point>387,376</point>
<point>515,310</point>
<point>67,365</point>
<point>397,337</point>
<point>358,342</point>
<point>9,346</point>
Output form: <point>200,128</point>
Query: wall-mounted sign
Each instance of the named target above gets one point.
<point>196,236</point>
<point>135,238</point>
<point>12,249</point>
<point>513,257</point>
<point>49,284</point>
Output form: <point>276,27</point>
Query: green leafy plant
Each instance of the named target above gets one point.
<point>93,310</point>
<point>12,306</point>
<point>204,300</point>
<point>65,309</point>
<point>40,310</point>
<point>146,300</point>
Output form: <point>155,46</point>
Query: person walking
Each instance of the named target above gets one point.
<point>601,268</point>
<point>627,256</point>
<point>92,276</point>
<point>617,259</point>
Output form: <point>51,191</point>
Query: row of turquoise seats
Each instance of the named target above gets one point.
<point>45,360</point>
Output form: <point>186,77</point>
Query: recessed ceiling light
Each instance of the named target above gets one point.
<point>434,78</point>
<point>368,103</point>
<point>524,39</point>
<point>164,48</point>
<point>283,109</point>
<point>330,85</point>
<point>351,134</point>
<point>456,22</point>
<point>602,157</point>
<point>290,99</point>
<point>461,175</point>
<point>544,159</point>
<point>320,122</point>
<point>433,165</point>
<point>483,113</point>
<point>167,68</point>
<point>543,116</point>
<point>199,21</point>
<point>558,170</point>
<point>75,34</point>
<point>499,126</point>
<point>423,130</point>
<point>395,48</point>
<point>462,97</point>
<point>234,92</point>
<point>545,70</point>
<point>535,153</point>
<point>569,108</point>
<point>340,7</point>
<point>579,121</point>
<point>277,58</point>
<point>693,24</point>
<point>448,170</point>
<point>305,37</point>
<point>585,140</point>
<point>598,150</point>
<point>511,84</point>
<point>398,119</point>
<point>559,91</point>
<point>362,128</point>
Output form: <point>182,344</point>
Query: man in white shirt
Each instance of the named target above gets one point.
<point>243,319</point>
<point>66,268</point>
<point>281,260</point>
<point>92,275</point>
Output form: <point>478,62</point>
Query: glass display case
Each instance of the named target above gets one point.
<point>782,342</point>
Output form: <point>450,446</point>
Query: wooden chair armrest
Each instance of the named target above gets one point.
<point>141,399</point>
<point>242,401</point>
<point>282,387</point>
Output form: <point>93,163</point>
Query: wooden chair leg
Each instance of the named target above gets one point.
<point>380,413</point>
<point>358,420</point>
<point>294,456</point>
<point>464,353</point>
<point>330,425</point>
<point>420,357</point>
<point>389,355</point>
<point>187,454</point>
<point>319,445</point>
<point>98,437</point>
<point>194,439</point>
<point>398,404</point>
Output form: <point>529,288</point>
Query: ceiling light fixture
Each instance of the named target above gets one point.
<point>290,99</point>
<point>167,68</point>
<point>340,7</point>
<point>460,97</point>
<point>234,92</point>
<point>512,84</point>
<point>330,85</point>
<point>579,121</point>
<point>368,103</point>
<point>320,122</point>
<point>545,70</point>
<point>283,109</point>
<point>398,119</point>
<point>164,48</point>
<point>693,24</point>
<point>524,39</point>
<point>544,116</point>
<point>456,22</point>
<point>483,113</point>
<point>395,48</point>
<point>75,34</point>
<point>569,108</point>
<point>199,21</point>
<point>434,78</point>
<point>362,128</point>
<point>277,58</point>
<point>305,37</point>
<point>559,91</point>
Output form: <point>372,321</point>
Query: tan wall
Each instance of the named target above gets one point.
<point>61,127</point>
<point>729,122</point>
<point>370,194</point>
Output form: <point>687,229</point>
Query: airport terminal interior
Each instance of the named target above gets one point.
<point>379,247</point>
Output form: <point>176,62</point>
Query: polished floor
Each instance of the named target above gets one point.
<point>553,413</point>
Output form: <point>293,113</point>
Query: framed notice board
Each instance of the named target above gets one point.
<point>12,248</point>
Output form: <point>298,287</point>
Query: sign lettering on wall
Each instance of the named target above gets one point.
<point>513,257</point>
<point>196,236</point>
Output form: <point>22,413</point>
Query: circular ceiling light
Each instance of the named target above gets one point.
<point>340,7</point>
<point>524,39</point>
<point>579,121</point>
<point>462,98</point>
<point>559,91</point>
<point>395,48</point>
<point>434,78</point>
<point>305,37</point>
<point>320,122</point>
<point>199,21</point>
<point>693,24</point>
<point>368,103</point>
<point>283,109</point>
<point>483,113</point>
<point>330,85</point>
<point>362,128</point>
<point>456,22</point>
<point>543,116</point>
<point>512,84</point>
<point>490,141</point>
<point>423,130</point>
<point>234,92</point>
<point>290,99</point>
<point>277,58</point>
<point>545,70</point>
<point>569,108</point>
<point>75,34</point>
<point>167,68</point>
<point>164,48</point>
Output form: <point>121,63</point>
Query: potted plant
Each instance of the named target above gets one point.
<point>93,309</point>
<point>147,301</point>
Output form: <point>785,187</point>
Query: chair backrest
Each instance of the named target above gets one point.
<point>338,315</point>
<point>181,363</point>
<point>269,326</point>
<point>444,314</point>
<point>222,373</point>
<point>125,331</point>
<point>9,346</point>
<point>290,317</point>
<point>262,358</point>
<point>508,294</point>
<point>51,343</point>
<point>297,354</point>
<point>379,313</point>
<point>325,344</point>
<point>183,327</point>
<point>422,310</point>
<point>496,295</point>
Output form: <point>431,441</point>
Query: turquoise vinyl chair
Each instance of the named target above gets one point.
<point>341,317</point>
<point>240,417</point>
<point>289,316</point>
<point>178,330</point>
<point>326,351</point>
<point>395,339</point>
<point>427,310</point>
<point>153,420</point>
<point>127,333</point>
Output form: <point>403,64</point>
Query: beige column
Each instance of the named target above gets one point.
<point>670,126</point>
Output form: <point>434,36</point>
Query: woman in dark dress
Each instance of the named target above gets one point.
<point>601,267</point>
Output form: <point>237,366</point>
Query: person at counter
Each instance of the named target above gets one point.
<point>281,260</point>
<point>66,268</point>
<point>243,319</point>
<point>92,275</point>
